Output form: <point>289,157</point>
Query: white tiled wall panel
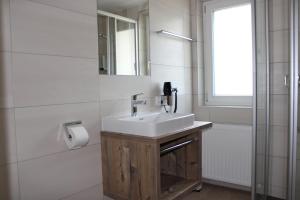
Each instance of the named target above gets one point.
<point>277,167</point>
<point>161,74</point>
<point>172,51</point>
<point>8,152</point>
<point>122,87</point>
<point>9,188</point>
<point>46,80</point>
<point>279,45</point>
<point>40,129</point>
<point>5,36</point>
<point>6,87</point>
<point>279,141</point>
<point>278,71</point>
<point>279,15</point>
<point>171,15</point>
<point>88,7</point>
<point>43,29</point>
<point>279,110</point>
<point>56,176</point>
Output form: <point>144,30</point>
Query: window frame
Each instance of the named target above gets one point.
<point>208,9</point>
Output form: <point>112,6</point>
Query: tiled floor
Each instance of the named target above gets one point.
<point>210,192</point>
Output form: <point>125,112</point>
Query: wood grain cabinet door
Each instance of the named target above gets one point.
<point>129,169</point>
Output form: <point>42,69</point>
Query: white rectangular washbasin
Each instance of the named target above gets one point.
<point>149,125</point>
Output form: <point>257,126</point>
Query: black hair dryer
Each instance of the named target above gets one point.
<point>168,91</point>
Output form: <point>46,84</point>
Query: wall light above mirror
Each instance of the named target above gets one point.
<point>123,37</point>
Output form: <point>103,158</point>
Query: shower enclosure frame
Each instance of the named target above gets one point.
<point>293,84</point>
<point>254,102</point>
<point>293,100</point>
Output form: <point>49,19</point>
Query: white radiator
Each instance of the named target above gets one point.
<point>226,154</point>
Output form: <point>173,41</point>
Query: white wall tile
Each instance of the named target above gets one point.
<point>169,51</point>
<point>40,132</point>
<point>88,7</point>
<point>171,15</point>
<point>188,103</point>
<point>8,148</point>
<point>57,176</point>
<point>93,193</point>
<point>5,39</point>
<point>279,46</point>
<point>188,76</point>
<point>115,107</point>
<point>279,15</point>
<point>6,89</point>
<point>122,87</point>
<point>184,104</point>
<point>9,189</point>
<point>279,141</point>
<point>278,174</point>
<point>45,80</point>
<point>237,115</point>
<point>278,72</point>
<point>161,74</point>
<point>202,114</point>
<point>43,29</point>
<point>120,107</point>
<point>187,54</point>
<point>150,106</point>
<point>279,110</point>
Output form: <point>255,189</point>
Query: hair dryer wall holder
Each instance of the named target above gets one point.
<point>167,101</point>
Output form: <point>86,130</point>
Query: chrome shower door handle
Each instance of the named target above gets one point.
<point>286,80</point>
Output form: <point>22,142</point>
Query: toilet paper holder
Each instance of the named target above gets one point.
<point>66,125</point>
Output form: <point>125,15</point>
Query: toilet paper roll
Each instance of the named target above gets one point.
<point>76,137</point>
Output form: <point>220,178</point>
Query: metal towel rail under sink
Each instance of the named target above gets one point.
<point>175,147</point>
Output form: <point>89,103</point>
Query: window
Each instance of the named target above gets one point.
<point>228,52</point>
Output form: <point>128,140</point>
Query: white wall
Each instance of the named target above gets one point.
<point>49,74</point>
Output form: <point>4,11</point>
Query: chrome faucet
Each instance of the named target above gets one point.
<point>135,102</point>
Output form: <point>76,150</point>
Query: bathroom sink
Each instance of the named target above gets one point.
<point>149,125</point>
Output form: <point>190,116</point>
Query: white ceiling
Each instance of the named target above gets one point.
<point>118,5</point>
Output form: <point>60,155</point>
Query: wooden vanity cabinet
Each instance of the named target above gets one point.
<point>134,168</point>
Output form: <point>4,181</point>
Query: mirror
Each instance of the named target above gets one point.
<point>123,37</point>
